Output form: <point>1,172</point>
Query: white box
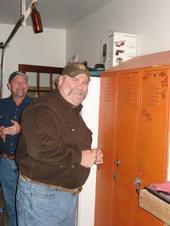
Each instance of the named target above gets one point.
<point>117,48</point>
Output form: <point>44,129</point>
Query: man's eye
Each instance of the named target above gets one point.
<point>85,83</point>
<point>74,79</point>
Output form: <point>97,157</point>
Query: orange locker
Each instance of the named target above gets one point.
<point>133,134</point>
<point>106,142</point>
<point>128,100</point>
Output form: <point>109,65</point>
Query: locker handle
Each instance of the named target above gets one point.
<point>137,183</point>
<point>116,164</point>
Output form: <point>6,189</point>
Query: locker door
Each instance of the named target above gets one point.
<point>153,135</point>
<point>103,210</point>
<point>125,151</point>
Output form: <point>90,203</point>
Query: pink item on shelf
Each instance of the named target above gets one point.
<point>163,187</point>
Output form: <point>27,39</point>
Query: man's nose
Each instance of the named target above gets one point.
<point>80,86</point>
<point>20,84</point>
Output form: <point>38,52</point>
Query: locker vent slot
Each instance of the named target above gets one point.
<point>155,85</point>
<point>153,94</point>
<point>108,92</point>
<point>127,92</point>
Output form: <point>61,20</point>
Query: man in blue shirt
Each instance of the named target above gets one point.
<point>11,109</point>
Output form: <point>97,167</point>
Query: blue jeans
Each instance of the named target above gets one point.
<point>8,181</point>
<point>39,205</point>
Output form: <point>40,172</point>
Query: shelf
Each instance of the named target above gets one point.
<point>155,206</point>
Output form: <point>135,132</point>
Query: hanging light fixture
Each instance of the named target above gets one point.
<point>36,19</point>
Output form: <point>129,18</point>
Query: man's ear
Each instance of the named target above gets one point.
<point>60,80</point>
<point>9,86</point>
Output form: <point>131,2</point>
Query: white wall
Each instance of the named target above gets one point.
<point>47,48</point>
<point>149,19</point>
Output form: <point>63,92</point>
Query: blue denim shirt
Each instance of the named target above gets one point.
<point>10,111</point>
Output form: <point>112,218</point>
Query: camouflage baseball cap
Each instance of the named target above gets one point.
<point>15,73</point>
<point>74,69</point>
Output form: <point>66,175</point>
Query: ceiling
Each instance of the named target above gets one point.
<point>54,13</point>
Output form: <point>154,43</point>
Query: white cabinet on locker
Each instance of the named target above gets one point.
<point>90,115</point>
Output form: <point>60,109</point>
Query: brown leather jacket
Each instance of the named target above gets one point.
<point>53,135</point>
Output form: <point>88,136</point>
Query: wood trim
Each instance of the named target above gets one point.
<point>38,69</point>
<point>41,69</point>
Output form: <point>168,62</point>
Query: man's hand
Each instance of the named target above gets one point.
<point>90,157</point>
<point>99,156</point>
<point>2,135</point>
<point>12,130</point>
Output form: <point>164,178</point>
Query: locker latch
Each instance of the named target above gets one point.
<point>137,183</point>
<point>116,164</point>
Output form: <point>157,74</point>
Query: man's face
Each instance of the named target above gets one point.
<point>73,89</point>
<point>18,86</point>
